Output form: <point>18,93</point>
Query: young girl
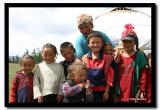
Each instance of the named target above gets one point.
<point>48,77</point>
<point>100,74</point>
<point>132,71</point>
<point>67,51</point>
<point>22,84</point>
<point>76,88</point>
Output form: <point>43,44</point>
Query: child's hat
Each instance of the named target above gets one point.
<point>128,33</point>
<point>128,26</point>
<point>84,19</point>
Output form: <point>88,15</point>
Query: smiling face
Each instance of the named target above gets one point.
<point>48,55</point>
<point>95,44</point>
<point>128,45</point>
<point>27,65</point>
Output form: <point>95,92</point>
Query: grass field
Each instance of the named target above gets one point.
<point>12,70</point>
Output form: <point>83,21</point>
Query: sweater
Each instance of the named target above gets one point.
<point>48,79</point>
<point>74,93</point>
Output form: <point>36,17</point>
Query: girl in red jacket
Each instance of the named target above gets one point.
<point>22,84</point>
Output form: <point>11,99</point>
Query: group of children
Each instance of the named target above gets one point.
<point>103,74</point>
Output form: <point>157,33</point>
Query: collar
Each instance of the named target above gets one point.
<point>100,55</point>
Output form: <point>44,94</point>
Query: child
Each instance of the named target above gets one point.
<point>67,50</point>
<point>100,74</point>
<point>85,26</point>
<point>148,83</point>
<point>108,49</point>
<point>22,84</point>
<point>132,71</point>
<point>49,77</point>
<point>76,89</point>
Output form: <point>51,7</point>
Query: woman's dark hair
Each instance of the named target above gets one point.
<point>48,45</point>
<point>26,56</point>
<point>66,45</point>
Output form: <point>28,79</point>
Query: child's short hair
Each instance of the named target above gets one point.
<point>95,34</point>
<point>66,45</point>
<point>48,45</point>
<point>26,56</point>
<point>74,68</point>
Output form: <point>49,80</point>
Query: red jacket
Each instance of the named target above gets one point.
<point>22,88</point>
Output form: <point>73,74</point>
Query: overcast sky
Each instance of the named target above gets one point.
<point>31,28</point>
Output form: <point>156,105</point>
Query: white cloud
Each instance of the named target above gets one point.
<point>30,28</point>
<point>33,27</point>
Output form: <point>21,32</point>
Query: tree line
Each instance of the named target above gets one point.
<point>35,53</point>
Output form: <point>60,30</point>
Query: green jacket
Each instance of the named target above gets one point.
<point>139,63</point>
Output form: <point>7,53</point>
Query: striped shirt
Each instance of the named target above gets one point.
<point>22,88</point>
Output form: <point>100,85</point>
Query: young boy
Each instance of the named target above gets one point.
<point>67,50</point>
<point>100,73</point>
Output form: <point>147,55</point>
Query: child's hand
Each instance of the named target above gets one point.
<point>40,99</point>
<point>59,98</point>
<point>105,96</point>
<point>142,95</point>
<point>87,84</point>
<point>81,85</point>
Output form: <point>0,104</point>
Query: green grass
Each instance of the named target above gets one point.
<point>12,70</point>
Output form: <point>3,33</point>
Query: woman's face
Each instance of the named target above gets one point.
<point>48,55</point>
<point>85,29</point>
<point>95,44</point>
<point>68,54</point>
<point>128,44</point>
